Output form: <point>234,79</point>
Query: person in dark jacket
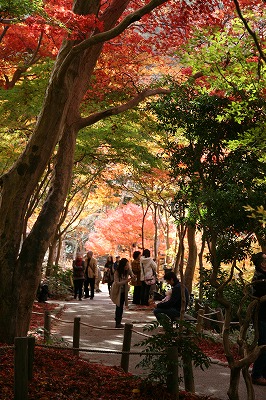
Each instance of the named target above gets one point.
<point>136,269</point>
<point>259,289</point>
<point>109,271</point>
<point>78,276</point>
<point>171,307</point>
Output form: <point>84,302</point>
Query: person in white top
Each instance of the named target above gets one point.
<point>147,276</point>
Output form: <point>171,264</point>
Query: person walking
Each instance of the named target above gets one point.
<point>172,306</point>
<point>119,289</point>
<point>147,276</point>
<point>98,279</point>
<point>108,274</point>
<point>116,263</point>
<point>136,269</point>
<point>78,276</point>
<point>90,274</point>
<point>258,373</point>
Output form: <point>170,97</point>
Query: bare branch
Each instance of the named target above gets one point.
<point>92,119</point>
<point>250,31</point>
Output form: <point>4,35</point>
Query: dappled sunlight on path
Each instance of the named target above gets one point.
<point>100,312</point>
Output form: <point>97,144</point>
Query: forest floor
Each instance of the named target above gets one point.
<point>58,375</point>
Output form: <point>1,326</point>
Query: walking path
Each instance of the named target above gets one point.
<point>99,312</point>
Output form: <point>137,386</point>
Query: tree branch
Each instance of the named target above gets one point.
<point>250,31</point>
<point>109,34</point>
<point>92,119</point>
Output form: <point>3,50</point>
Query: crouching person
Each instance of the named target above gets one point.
<point>172,306</point>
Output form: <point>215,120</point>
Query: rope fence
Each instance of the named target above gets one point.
<point>24,349</point>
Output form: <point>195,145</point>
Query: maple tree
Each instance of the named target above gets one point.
<point>80,39</point>
<point>221,167</point>
<point>120,229</point>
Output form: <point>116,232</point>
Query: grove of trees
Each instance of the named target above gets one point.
<point>161,100</point>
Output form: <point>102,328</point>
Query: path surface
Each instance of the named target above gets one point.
<point>99,312</point>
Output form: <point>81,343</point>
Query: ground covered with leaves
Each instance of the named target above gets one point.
<point>58,375</point>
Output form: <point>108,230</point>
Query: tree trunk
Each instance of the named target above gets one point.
<point>20,271</point>
<point>17,304</point>
<point>58,250</point>
<point>58,124</point>
<point>201,270</point>
<point>180,255</point>
<point>234,384</point>
<point>192,257</point>
<point>51,257</point>
<point>156,238</point>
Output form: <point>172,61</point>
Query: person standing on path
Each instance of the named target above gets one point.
<point>90,274</point>
<point>116,263</point>
<point>148,270</point>
<point>119,289</point>
<point>78,276</point>
<point>98,280</point>
<point>136,269</point>
<point>109,272</point>
<point>259,289</point>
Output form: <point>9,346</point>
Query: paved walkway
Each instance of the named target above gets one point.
<point>99,312</point>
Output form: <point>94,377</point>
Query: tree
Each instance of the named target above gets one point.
<point>60,117</point>
<point>120,229</point>
<point>56,130</point>
<point>222,175</point>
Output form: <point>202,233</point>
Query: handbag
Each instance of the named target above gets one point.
<point>149,279</point>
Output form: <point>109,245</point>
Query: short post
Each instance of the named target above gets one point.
<point>188,373</point>
<point>220,318</point>
<point>47,325</point>
<point>21,369</point>
<point>207,323</point>
<point>31,345</point>
<point>199,326</point>
<point>172,371</point>
<point>126,347</point>
<point>76,335</point>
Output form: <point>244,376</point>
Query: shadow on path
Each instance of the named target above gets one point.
<point>100,311</point>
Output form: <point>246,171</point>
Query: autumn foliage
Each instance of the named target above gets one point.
<point>57,374</point>
<point>29,40</point>
<point>120,226</point>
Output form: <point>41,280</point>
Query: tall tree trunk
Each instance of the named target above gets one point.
<point>143,225</point>
<point>20,270</point>
<point>180,255</point>
<point>192,257</point>
<point>51,257</point>
<point>234,384</point>
<point>201,269</point>
<point>155,242</point>
<point>58,249</point>
<point>58,124</point>
<point>19,296</point>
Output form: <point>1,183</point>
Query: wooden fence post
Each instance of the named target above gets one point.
<point>47,325</point>
<point>188,373</point>
<point>220,317</point>
<point>199,326</point>
<point>76,335</point>
<point>21,369</point>
<point>207,323</point>
<point>172,371</point>
<point>126,346</point>
<point>31,345</point>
